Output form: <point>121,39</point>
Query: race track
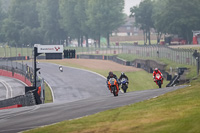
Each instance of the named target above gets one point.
<point>72,84</point>
<point>77,93</point>
<point>10,87</point>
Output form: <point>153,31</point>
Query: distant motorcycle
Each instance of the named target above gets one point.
<point>61,68</point>
<point>158,80</point>
<point>124,84</point>
<point>112,84</point>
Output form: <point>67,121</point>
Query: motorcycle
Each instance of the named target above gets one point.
<point>112,84</point>
<point>124,84</point>
<point>61,68</point>
<point>158,80</point>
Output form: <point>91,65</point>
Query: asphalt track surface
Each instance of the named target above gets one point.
<point>86,97</point>
<point>10,87</point>
<point>72,84</point>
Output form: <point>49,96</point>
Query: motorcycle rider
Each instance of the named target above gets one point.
<point>156,71</point>
<point>120,79</point>
<point>111,75</point>
<point>123,76</point>
<point>60,68</point>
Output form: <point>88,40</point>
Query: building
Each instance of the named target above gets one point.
<point>196,37</point>
<point>128,32</point>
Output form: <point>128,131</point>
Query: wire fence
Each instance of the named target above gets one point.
<point>181,56</point>
<point>17,67</point>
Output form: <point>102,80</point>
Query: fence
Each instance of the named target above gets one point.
<point>16,67</point>
<point>31,97</point>
<point>181,56</point>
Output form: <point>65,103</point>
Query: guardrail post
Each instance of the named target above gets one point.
<point>197,58</point>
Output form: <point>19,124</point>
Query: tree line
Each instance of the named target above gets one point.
<point>176,17</point>
<point>50,21</point>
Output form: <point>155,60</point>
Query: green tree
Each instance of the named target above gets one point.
<point>49,16</point>
<point>143,17</point>
<point>10,30</point>
<point>2,17</point>
<point>158,6</point>
<point>20,19</point>
<point>80,12</point>
<point>105,16</point>
<point>179,17</point>
<point>69,21</point>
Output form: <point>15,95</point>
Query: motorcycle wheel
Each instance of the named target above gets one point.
<point>115,91</point>
<point>124,88</point>
<point>159,84</point>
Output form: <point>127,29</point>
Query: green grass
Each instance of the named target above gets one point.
<point>169,63</point>
<point>12,52</point>
<point>173,112</point>
<point>177,111</point>
<point>135,78</point>
<point>48,94</point>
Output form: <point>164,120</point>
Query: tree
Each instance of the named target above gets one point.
<point>20,19</point>
<point>105,16</point>
<point>143,17</point>
<point>158,6</point>
<point>80,12</point>
<point>69,21</point>
<point>49,16</point>
<point>179,18</point>
<point>2,17</point>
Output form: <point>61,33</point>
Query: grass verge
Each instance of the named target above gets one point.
<point>48,94</point>
<point>136,79</point>
<point>173,112</point>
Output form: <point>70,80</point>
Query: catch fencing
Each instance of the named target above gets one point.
<point>19,68</point>
<point>181,56</point>
<point>177,55</point>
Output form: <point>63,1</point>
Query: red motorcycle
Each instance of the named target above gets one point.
<point>113,86</point>
<point>159,80</point>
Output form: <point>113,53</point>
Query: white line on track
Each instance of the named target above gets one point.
<point>8,89</point>
<point>78,69</point>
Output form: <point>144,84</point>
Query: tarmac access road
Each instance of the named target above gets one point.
<point>89,96</point>
<point>10,87</point>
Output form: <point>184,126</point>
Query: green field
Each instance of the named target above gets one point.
<point>136,79</point>
<point>13,51</point>
<point>173,112</point>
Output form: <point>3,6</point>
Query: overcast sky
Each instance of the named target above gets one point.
<point>129,4</point>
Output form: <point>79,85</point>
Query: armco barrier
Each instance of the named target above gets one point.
<point>25,100</point>
<point>11,107</point>
<point>17,58</point>
<point>147,65</point>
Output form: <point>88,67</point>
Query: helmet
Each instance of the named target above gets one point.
<point>110,73</point>
<point>156,69</point>
<point>122,73</point>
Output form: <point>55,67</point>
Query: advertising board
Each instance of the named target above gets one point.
<point>50,48</point>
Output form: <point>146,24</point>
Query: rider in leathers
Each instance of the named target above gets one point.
<point>123,76</point>
<point>156,71</point>
<point>111,75</point>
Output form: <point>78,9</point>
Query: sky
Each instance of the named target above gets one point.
<point>129,4</point>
